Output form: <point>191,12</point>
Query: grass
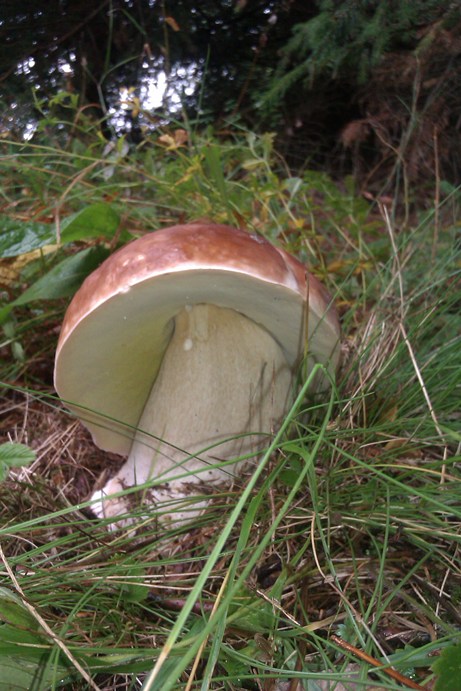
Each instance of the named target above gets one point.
<point>347,534</point>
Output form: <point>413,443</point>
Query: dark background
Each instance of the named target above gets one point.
<point>361,87</point>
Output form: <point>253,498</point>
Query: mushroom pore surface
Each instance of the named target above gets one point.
<point>222,388</point>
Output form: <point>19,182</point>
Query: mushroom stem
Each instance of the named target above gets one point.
<point>223,386</point>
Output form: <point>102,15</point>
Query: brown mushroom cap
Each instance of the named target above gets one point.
<point>118,325</point>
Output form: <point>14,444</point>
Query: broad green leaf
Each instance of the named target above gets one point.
<point>447,668</point>
<point>20,237</point>
<point>249,614</point>
<point>24,649</point>
<point>91,222</point>
<point>16,455</point>
<point>64,278</point>
<point>4,312</point>
<point>291,471</point>
<point>411,657</point>
<point>13,611</point>
<point>20,641</point>
<point>134,589</point>
<point>20,674</point>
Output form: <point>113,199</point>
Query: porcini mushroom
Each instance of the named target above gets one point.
<point>181,350</point>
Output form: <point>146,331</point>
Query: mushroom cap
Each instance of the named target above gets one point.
<point>119,323</point>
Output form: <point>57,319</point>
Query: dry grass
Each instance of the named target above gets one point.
<point>68,464</point>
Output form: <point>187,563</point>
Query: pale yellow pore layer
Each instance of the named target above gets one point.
<point>223,386</point>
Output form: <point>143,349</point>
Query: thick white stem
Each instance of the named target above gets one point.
<point>223,387</point>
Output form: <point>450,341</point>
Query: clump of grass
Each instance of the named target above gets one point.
<point>347,532</point>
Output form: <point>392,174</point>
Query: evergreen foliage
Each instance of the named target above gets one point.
<point>347,39</point>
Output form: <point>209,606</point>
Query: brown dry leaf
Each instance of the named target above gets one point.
<point>337,266</point>
<point>175,140</point>
<point>390,413</point>
<point>398,443</point>
<point>354,132</point>
<point>135,104</point>
<point>10,268</point>
<point>167,140</point>
<point>180,136</point>
<point>362,266</point>
<point>172,23</point>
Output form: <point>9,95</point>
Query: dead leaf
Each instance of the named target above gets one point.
<point>175,140</point>
<point>10,268</point>
<point>172,23</point>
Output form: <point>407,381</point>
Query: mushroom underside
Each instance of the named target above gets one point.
<point>223,388</point>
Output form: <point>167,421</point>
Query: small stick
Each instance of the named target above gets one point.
<point>376,663</point>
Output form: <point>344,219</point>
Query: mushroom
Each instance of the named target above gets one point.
<point>181,351</point>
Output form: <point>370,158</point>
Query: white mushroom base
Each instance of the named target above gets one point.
<point>222,389</point>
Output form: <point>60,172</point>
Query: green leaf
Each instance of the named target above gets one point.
<point>27,666</point>
<point>135,590</point>
<point>92,222</point>
<point>24,649</point>
<point>291,471</point>
<point>293,185</point>
<point>215,169</point>
<point>253,163</point>
<point>447,668</point>
<point>250,614</point>
<point>13,611</point>
<point>21,674</point>
<point>15,455</point>
<point>19,237</point>
<point>64,278</point>
<point>28,659</point>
